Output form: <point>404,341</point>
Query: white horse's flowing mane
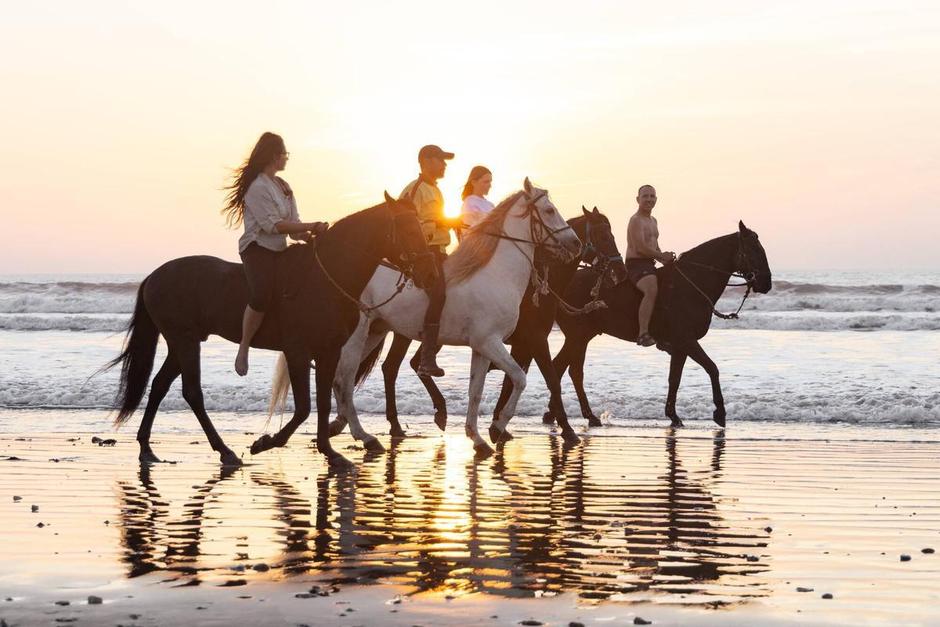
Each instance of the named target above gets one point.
<point>478,244</point>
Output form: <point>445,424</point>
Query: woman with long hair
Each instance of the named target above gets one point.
<point>264,203</point>
<point>475,205</point>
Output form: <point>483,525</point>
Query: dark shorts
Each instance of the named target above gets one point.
<point>639,268</point>
<point>260,267</point>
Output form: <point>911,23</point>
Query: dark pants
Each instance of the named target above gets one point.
<point>437,291</point>
<point>260,265</point>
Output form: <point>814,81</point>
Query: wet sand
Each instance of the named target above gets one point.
<point>750,526</point>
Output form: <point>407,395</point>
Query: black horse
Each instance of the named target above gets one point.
<point>318,284</point>
<point>530,338</point>
<point>688,291</point>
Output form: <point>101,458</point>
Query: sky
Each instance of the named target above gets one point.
<point>816,123</point>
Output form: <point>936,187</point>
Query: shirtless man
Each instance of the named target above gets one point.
<point>642,251</point>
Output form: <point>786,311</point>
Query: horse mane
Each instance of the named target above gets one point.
<point>706,247</point>
<point>478,243</point>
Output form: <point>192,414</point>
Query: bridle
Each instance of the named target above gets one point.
<point>744,269</point>
<point>406,267</point>
<point>548,236</point>
<point>592,257</point>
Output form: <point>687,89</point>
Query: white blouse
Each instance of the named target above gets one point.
<point>475,209</point>
<point>266,204</point>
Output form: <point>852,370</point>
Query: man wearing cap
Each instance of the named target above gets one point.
<point>429,203</point>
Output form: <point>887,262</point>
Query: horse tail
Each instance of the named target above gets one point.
<point>367,364</point>
<point>136,360</point>
<point>280,386</point>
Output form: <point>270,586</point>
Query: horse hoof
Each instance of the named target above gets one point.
<point>336,427</point>
<point>230,459</point>
<point>374,446</point>
<point>594,421</point>
<point>498,436</point>
<point>262,444</point>
<point>147,457</point>
<point>570,436</point>
<point>338,462</point>
<point>482,450</point>
<point>719,418</point>
<point>676,421</point>
<point>397,432</point>
<point>548,418</point>
<point>440,419</point>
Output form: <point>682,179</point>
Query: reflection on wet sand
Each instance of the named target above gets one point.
<point>538,518</point>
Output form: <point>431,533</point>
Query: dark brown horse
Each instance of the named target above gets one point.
<point>316,310</point>
<point>688,291</point>
<point>530,338</point>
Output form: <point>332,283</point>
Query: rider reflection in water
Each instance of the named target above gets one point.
<point>429,203</point>
<point>642,250</point>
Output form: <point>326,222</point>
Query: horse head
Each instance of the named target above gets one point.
<point>751,260</point>
<point>549,229</point>
<point>600,247</point>
<point>407,246</point>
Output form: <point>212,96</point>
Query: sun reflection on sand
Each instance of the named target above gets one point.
<point>531,521</point>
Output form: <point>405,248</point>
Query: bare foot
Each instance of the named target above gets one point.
<point>241,363</point>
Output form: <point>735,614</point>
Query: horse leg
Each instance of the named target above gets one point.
<point>326,371</point>
<point>187,353</point>
<point>497,353</point>
<point>344,384</point>
<point>479,366</point>
<point>298,367</point>
<point>390,368</point>
<point>158,389</point>
<point>560,364</point>
<point>522,358</point>
<point>676,364</point>
<point>555,405</point>
<point>440,405</point>
<point>699,356</point>
<point>576,372</point>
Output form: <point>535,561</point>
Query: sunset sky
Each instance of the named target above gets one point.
<point>817,123</point>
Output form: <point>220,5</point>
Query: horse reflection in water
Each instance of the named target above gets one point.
<point>435,519</point>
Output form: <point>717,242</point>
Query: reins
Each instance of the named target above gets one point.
<point>399,286</point>
<point>748,281</point>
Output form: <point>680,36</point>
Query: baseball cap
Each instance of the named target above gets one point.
<point>430,151</point>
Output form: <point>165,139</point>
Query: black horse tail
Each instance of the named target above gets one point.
<point>367,364</point>
<point>136,360</point>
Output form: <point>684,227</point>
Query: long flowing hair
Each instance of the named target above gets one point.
<point>475,174</point>
<point>269,147</point>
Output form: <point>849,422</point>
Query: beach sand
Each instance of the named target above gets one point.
<point>752,525</point>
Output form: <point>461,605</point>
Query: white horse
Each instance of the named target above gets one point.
<point>486,279</point>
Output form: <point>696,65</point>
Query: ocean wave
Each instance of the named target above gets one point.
<point>791,305</point>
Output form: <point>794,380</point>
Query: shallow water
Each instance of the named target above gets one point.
<point>691,518</point>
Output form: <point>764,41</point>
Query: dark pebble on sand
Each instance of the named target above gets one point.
<point>133,616</point>
<point>34,508</point>
<point>927,551</point>
<point>753,558</point>
<point>828,595</point>
<point>905,558</point>
<point>802,589</point>
<point>529,622</point>
<point>575,624</point>
<point>62,603</point>
<point>93,600</point>
<point>17,499</point>
<point>305,595</point>
<point>768,529</point>
<point>641,621</point>
<point>41,525</point>
<point>261,568</point>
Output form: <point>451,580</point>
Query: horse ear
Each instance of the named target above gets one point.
<point>596,212</point>
<point>527,186</point>
<point>585,211</point>
<point>388,198</point>
<point>741,226</point>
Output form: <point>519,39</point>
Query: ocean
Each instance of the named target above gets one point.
<point>828,347</point>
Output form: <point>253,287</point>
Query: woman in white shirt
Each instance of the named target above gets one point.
<point>475,205</point>
<point>265,204</point>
